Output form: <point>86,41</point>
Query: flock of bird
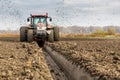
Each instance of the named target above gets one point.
<point>9,13</point>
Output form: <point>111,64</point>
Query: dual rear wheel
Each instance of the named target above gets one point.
<point>26,34</point>
<point>54,35</point>
<point>30,35</point>
<point>23,33</point>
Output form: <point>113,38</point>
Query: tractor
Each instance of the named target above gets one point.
<point>39,30</point>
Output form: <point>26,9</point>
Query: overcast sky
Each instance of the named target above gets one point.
<point>13,13</point>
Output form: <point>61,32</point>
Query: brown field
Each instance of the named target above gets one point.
<point>99,57</point>
<point>21,60</point>
<point>71,35</point>
<point>88,36</point>
<point>9,35</point>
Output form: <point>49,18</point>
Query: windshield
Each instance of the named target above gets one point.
<point>37,20</point>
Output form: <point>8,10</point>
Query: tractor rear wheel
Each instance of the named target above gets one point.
<point>56,33</point>
<point>23,33</point>
<point>29,35</point>
<point>51,36</point>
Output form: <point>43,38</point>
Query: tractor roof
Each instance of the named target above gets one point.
<point>36,15</point>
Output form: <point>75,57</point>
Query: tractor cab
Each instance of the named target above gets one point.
<point>39,22</point>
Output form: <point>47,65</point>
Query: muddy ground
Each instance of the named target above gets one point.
<point>99,57</point>
<point>22,61</point>
<point>26,61</point>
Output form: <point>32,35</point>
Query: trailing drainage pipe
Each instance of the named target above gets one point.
<point>72,71</point>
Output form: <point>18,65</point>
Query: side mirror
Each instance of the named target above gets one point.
<point>28,19</point>
<point>50,19</point>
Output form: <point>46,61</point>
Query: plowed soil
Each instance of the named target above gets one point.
<point>22,61</point>
<point>99,57</point>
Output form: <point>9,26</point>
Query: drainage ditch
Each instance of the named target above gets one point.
<point>70,71</point>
